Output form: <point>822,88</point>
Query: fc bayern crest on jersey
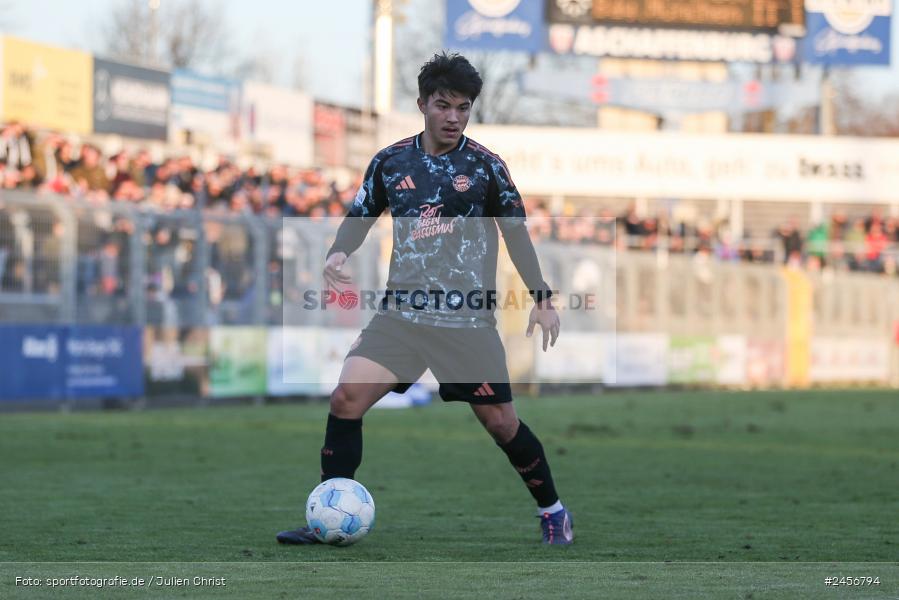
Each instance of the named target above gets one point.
<point>461,183</point>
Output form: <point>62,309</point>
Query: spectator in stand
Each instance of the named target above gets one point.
<point>875,244</point>
<point>275,189</point>
<point>755,251</point>
<point>66,156</point>
<point>119,169</point>
<point>790,239</point>
<point>633,226</point>
<point>184,173</point>
<point>111,283</point>
<point>89,175</point>
<point>725,249</point>
<point>837,258</point>
<point>16,155</point>
<point>49,168</point>
<point>650,234</point>
<point>813,263</point>
<point>875,218</point>
<point>336,208</point>
<point>891,230</point>
<point>839,226</point>
<point>7,244</point>
<point>142,169</point>
<point>818,241</point>
<point>539,221</point>
<point>855,245</point>
<point>128,191</point>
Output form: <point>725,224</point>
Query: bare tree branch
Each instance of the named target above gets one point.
<point>856,115</point>
<point>180,33</point>
<point>502,101</point>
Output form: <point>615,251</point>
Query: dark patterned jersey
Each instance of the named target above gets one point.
<point>445,213</point>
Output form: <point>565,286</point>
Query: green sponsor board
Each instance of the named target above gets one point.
<point>237,357</point>
<point>692,359</point>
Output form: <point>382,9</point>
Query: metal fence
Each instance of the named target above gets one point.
<point>62,261</point>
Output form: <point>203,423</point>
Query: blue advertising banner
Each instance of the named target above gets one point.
<point>33,362</point>
<point>847,32</point>
<point>104,361</point>
<point>204,109</point>
<point>203,91</point>
<point>495,25</point>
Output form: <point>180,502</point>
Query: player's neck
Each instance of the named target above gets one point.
<point>432,147</point>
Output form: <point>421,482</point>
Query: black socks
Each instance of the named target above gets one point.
<point>342,452</point>
<point>526,454</point>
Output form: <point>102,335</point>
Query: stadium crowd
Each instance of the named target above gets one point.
<point>869,244</point>
<point>52,163</point>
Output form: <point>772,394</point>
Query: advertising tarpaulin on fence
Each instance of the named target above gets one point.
<point>33,359</point>
<point>692,359</point>
<point>131,101</point>
<point>849,360</point>
<point>576,357</point>
<point>55,362</point>
<point>636,359</point>
<point>237,358</point>
<point>45,86</point>
<point>293,366</point>
<point>103,361</point>
<point>764,362</point>
<point>730,356</point>
<point>176,361</point>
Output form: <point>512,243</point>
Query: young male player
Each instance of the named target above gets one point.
<point>447,194</point>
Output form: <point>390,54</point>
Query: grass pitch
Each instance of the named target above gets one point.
<point>674,495</point>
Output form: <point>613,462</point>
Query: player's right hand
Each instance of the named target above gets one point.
<point>332,273</point>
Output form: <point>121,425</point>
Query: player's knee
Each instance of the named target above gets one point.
<point>342,403</point>
<point>501,428</point>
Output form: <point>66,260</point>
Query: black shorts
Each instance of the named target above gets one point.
<point>469,362</point>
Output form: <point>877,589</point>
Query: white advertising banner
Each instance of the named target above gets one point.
<point>849,359</point>
<point>731,355</point>
<point>280,119</point>
<point>292,361</point>
<point>577,356</point>
<point>636,359</point>
<point>589,162</point>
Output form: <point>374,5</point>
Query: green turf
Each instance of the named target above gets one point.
<point>726,478</point>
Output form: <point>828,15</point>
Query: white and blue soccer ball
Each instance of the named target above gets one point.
<point>340,511</point>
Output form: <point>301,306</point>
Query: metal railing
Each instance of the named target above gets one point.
<point>67,261</point>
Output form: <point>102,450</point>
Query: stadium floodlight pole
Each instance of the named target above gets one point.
<point>383,56</point>
<point>154,31</point>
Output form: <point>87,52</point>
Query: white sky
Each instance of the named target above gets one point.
<point>332,36</point>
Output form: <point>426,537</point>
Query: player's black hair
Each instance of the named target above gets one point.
<point>449,73</point>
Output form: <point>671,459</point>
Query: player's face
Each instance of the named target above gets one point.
<point>446,116</point>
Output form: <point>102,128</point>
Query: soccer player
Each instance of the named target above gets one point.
<point>447,194</point>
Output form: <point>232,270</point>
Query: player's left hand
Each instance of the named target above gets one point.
<point>544,314</point>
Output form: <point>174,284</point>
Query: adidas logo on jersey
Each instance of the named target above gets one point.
<point>405,184</point>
